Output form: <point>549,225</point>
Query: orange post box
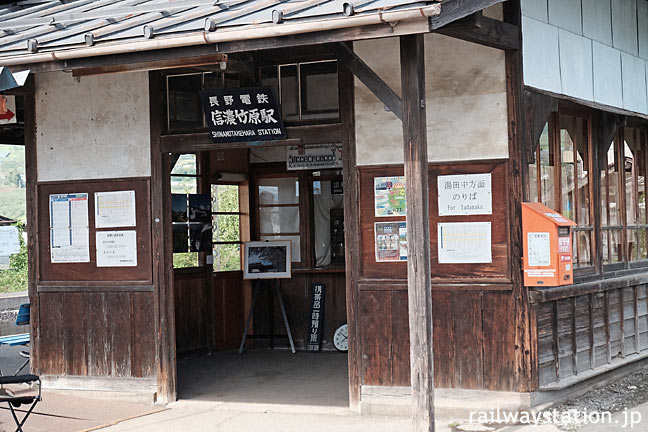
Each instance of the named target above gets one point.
<point>547,242</point>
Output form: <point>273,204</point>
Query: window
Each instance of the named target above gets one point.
<point>184,112</point>
<point>566,143</point>
<point>560,178</point>
<point>184,180</point>
<point>634,179</point>
<point>279,211</point>
<point>226,221</point>
<point>307,91</point>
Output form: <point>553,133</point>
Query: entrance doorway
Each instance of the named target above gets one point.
<point>255,195</point>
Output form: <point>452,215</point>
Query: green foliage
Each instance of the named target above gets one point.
<point>12,187</point>
<point>15,278</point>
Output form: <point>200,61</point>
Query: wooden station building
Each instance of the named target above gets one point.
<point>532,101</point>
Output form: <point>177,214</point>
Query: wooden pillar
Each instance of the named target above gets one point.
<point>418,231</point>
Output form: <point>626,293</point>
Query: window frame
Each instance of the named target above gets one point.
<point>240,214</point>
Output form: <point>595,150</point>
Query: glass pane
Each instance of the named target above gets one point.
<point>184,185</point>
<point>269,78</point>
<point>611,212</point>
<point>583,244</point>
<point>227,257</point>
<point>547,170</point>
<point>182,260</point>
<point>232,80</point>
<point>225,198</point>
<point>277,220</point>
<point>185,111</point>
<point>319,90</point>
<point>226,228</point>
<point>632,142</point>
<point>605,246</point>
<point>328,218</point>
<point>186,164</point>
<point>615,246</point>
<point>295,241</point>
<point>280,190</point>
<point>633,244</point>
<point>289,92</point>
<point>213,81</point>
<point>643,252</point>
<point>574,168</point>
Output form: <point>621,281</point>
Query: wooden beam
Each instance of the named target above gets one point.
<point>412,58</point>
<point>371,79</point>
<point>145,65</point>
<point>485,31</point>
<point>454,10</point>
<point>164,303</point>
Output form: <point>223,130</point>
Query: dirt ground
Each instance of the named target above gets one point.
<point>627,392</point>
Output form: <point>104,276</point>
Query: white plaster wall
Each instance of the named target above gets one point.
<point>92,128</point>
<point>594,50</point>
<point>466,102</point>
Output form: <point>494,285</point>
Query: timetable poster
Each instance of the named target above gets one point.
<point>69,231</point>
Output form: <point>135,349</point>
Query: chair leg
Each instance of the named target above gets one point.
<point>21,367</point>
<point>19,423</point>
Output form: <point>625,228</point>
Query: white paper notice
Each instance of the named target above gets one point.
<point>69,232</point>
<point>116,248</point>
<point>539,249</point>
<point>464,242</point>
<point>115,209</point>
<point>9,240</point>
<point>468,194</point>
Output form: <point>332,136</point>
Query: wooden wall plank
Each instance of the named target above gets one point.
<point>468,353</point>
<point>375,316</point>
<point>400,347</point>
<point>99,340</point>
<point>498,341</point>
<point>142,335</point>
<point>52,346</point>
<point>444,339</point>
<point>119,305</point>
<point>75,334</point>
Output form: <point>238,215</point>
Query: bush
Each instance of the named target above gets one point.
<point>15,278</point>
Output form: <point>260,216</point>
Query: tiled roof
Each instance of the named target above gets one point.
<point>45,26</point>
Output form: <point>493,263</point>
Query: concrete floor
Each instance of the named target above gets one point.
<point>275,378</point>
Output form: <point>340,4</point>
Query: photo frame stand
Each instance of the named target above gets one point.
<point>277,290</point>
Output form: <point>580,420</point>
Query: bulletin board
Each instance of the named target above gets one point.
<point>136,269</point>
<point>497,267</point>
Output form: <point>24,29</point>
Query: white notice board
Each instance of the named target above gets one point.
<point>117,248</point>
<point>115,209</point>
<point>467,194</point>
<point>539,249</point>
<point>9,240</point>
<point>464,242</point>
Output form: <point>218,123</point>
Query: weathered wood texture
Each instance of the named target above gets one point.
<point>473,348</point>
<point>474,341</point>
<point>588,332</point>
<point>499,270</point>
<point>71,273</point>
<point>296,294</point>
<point>412,62</point>
<point>207,322</point>
<point>97,334</point>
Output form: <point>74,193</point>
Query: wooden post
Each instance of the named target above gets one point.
<point>418,232</point>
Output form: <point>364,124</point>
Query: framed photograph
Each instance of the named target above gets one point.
<point>267,260</point>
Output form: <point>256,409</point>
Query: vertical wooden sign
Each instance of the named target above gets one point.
<point>316,317</point>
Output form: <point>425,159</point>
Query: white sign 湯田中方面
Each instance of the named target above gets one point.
<point>115,209</point>
<point>464,242</point>
<point>466,194</point>
<point>117,248</point>
<point>320,156</point>
<point>9,240</point>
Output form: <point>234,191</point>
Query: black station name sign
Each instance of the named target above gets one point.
<point>242,114</point>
